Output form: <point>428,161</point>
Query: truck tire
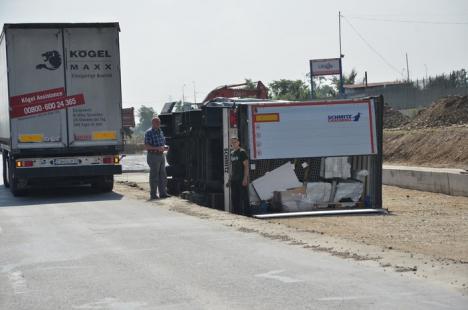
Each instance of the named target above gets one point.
<point>104,184</point>
<point>173,187</point>
<point>6,182</point>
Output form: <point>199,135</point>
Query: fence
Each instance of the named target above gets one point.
<point>411,95</point>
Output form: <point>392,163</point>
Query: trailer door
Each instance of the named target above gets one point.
<point>36,83</point>
<point>93,83</point>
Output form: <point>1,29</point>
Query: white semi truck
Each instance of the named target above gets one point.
<point>60,104</point>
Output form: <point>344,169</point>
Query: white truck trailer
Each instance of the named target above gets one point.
<point>319,156</point>
<point>60,104</point>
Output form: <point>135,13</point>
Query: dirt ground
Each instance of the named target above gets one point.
<point>424,235</point>
<point>431,147</point>
<point>419,222</point>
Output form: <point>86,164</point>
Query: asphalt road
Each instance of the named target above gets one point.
<point>73,249</point>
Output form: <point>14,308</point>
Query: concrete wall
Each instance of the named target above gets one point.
<point>404,97</point>
<point>430,180</point>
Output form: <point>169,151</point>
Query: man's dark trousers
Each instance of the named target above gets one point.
<point>239,197</point>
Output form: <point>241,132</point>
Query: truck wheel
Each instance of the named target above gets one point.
<point>5,169</point>
<point>104,184</point>
<point>173,187</point>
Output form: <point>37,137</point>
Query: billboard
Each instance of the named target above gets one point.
<point>328,66</point>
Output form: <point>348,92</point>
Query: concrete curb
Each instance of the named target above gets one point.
<point>446,181</point>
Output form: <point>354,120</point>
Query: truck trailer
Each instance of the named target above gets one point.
<point>309,156</point>
<point>60,104</point>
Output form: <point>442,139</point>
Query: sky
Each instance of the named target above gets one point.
<point>185,48</point>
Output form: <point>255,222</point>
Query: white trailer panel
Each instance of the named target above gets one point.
<point>35,64</point>
<point>63,86</point>
<point>93,69</point>
<point>312,129</point>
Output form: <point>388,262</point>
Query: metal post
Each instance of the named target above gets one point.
<point>226,160</point>
<point>341,79</point>
<point>339,31</point>
<point>407,67</point>
<point>341,90</point>
<point>312,95</point>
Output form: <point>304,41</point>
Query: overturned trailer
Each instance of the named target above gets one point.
<point>314,157</point>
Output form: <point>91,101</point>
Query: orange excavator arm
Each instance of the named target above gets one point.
<point>236,90</point>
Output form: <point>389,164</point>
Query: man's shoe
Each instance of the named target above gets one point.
<point>153,198</point>
<point>165,196</point>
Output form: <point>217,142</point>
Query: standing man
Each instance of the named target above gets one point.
<point>239,178</point>
<point>155,144</point>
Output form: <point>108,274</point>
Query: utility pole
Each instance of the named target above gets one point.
<point>407,67</point>
<point>194,93</point>
<point>183,94</point>
<point>341,90</point>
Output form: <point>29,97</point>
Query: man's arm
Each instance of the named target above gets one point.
<point>245,180</point>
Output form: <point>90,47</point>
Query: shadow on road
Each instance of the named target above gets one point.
<point>54,195</point>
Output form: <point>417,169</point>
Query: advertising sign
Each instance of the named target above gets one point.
<point>319,67</point>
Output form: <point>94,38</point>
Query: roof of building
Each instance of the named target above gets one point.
<point>371,85</point>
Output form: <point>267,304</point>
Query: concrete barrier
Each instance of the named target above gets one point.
<point>446,181</point>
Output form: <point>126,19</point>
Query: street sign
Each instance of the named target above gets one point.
<point>128,117</point>
<point>330,66</point>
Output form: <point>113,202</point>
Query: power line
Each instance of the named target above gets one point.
<point>407,21</point>
<point>372,48</point>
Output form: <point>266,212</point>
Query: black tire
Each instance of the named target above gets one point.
<point>6,182</point>
<point>173,187</point>
<point>104,184</point>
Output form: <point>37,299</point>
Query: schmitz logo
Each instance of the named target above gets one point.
<point>52,61</point>
<point>344,118</point>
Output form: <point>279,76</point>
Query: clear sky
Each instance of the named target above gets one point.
<point>166,44</point>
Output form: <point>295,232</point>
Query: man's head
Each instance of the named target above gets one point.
<point>155,122</point>
<point>235,144</point>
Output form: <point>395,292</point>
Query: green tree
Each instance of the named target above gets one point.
<point>323,87</point>
<point>347,79</point>
<point>456,79</point>
<point>289,90</point>
<point>128,132</point>
<point>145,115</point>
<point>250,84</point>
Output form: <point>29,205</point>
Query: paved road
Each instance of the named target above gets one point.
<point>71,249</point>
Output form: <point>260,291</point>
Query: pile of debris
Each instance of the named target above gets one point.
<point>393,118</point>
<point>447,111</point>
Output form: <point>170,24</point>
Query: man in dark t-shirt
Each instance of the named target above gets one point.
<point>239,178</point>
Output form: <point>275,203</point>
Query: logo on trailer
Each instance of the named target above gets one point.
<point>52,61</point>
<point>344,118</point>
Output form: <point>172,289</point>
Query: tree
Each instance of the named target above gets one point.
<point>456,79</point>
<point>347,79</point>
<point>323,87</point>
<point>289,90</point>
<point>145,115</point>
<point>128,132</point>
<point>250,84</point>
